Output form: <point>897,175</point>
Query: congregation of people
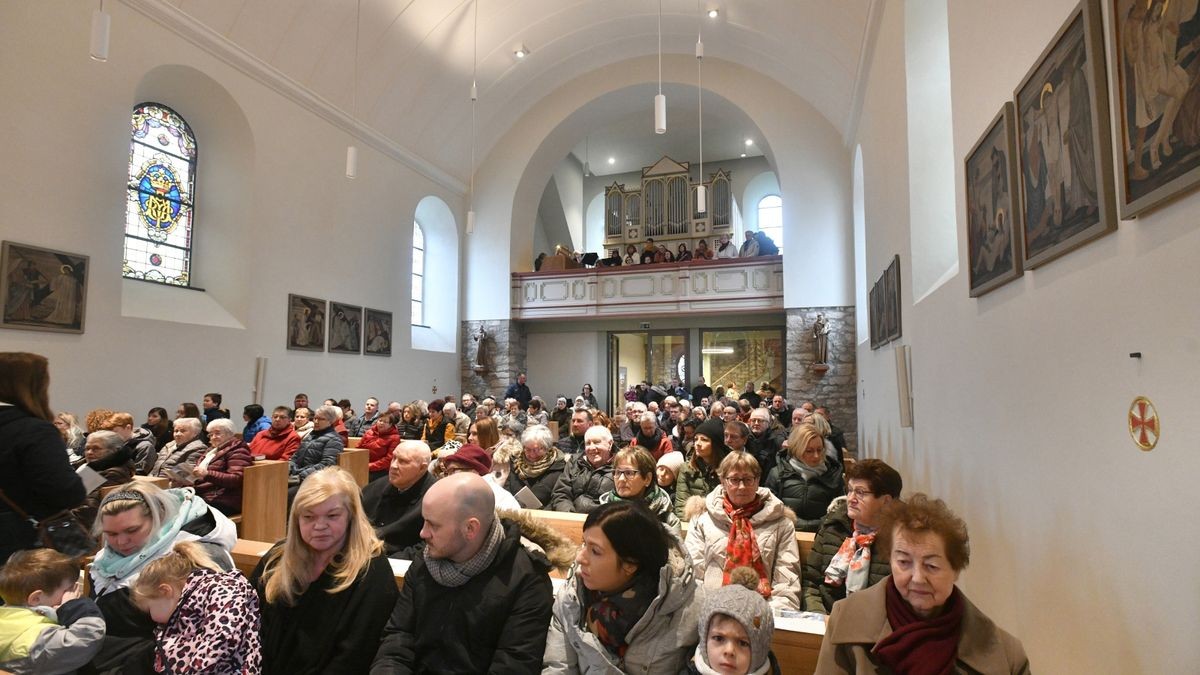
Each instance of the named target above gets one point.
<point>754,244</point>
<point>692,499</point>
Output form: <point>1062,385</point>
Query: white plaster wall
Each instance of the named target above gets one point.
<point>549,352</point>
<point>568,179</point>
<point>759,186</point>
<point>306,230</point>
<point>804,148</point>
<point>1082,545</point>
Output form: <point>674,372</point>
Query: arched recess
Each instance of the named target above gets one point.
<point>222,247</point>
<point>763,184</point>
<point>593,224</point>
<point>439,334</point>
<point>801,146</point>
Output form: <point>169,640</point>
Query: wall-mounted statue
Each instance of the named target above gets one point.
<point>483,360</point>
<point>820,333</point>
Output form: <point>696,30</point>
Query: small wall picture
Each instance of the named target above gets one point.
<point>306,323</point>
<point>993,239</point>
<point>43,289</point>
<point>1067,194</point>
<point>378,326</point>
<point>1154,75</point>
<point>345,328</point>
<point>884,306</point>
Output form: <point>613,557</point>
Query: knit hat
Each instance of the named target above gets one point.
<point>473,457</point>
<point>672,460</point>
<point>746,607</point>
<point>714,430</point>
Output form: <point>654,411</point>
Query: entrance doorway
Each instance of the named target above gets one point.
<point>644,356</point>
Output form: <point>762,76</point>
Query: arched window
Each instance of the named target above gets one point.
<point>770,218</point>
<point>418,275</point>
<point>160,197</point>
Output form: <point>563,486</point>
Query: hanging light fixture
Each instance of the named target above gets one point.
<point>587,156</point>
<point>660,101</point>
<point>352,150</point>
<point>474,98</point>
<point>701,189</point>
<point>101,23</point>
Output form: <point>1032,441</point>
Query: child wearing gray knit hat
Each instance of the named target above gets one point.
<point>736,626</point>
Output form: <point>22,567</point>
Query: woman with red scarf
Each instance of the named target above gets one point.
<point>917,622</point>
<point>744,525</point>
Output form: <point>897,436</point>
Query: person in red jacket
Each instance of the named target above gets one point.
<point>279,440</point>
<point>381,439</point>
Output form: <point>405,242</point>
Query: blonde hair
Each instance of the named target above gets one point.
<point>154,502</point>
<point>739,460</point>
<point>287,568</point>
<point>172,569</point>
<point>818,420</point>
<point>800,437</point>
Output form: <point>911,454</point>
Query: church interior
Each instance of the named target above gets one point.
<point>502,129</point>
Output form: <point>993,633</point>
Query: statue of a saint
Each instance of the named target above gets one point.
<point>481,356</point>
<point>820,333</point>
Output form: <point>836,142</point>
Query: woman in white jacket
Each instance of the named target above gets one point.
<point>627,604</point>
<point>744,525</point>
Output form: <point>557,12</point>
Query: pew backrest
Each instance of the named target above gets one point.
<point>357,462</point>
<point>264,500</point>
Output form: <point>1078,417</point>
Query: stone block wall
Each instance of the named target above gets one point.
<point>506,348</point>
<point>836,388</point>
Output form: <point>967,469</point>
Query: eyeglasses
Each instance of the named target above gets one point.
<point>741,480</point>
<point>626,474</point>
<point>859,492</point>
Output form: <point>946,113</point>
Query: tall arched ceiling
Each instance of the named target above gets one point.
<point>414,57</point>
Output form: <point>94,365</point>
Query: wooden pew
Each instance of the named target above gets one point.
<point>264,501</point>
<point>553,430</point>
<point>796,650</point>
<point>357,462</point>
<point>156,480</point>
<point>354,441</point>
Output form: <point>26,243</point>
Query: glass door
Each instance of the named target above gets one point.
<point>657,357</point>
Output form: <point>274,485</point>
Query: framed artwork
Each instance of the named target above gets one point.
<point>306,323</point>
<point>378,326</point>
<point>43,289</point>
<point>1154,77</point>
<point>993,238</point>
<point>345,328</point>
<point>1064,142</point>
<point>884,306</point>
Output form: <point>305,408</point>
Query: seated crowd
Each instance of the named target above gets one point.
<point>689,548</point>
<point>755,244</point>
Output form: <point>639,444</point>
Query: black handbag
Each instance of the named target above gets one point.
<point>62,531</point>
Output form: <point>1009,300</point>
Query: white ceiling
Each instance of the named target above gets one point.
<point>414,60</point>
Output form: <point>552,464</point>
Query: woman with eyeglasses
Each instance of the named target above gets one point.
<point>844,558</point>
<point>634,480</point>
<point>744,525</point>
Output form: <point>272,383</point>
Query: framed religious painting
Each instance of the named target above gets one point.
<point>345,328</point>
<point>43,289</point>
<point>993,239</point>
<point>377,340</point>
<point>1155,77</point>
<point>306,323</point>
<point>1065,170</point>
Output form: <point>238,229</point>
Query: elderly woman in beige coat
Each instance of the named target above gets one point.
<point>917,620</point>
<point>744,525</point>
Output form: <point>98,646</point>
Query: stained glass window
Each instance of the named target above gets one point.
<point>160,197</point>
<point>418,275</point>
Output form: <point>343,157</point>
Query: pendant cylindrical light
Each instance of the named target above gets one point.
<point>351,161</point>
<point>471,222</point>
<point>701,189</point>
<point>101,23</point>
<point>474,100</point>
<point>352,150</point>
<point>660,101</point>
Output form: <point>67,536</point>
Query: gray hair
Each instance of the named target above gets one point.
<point>449,410</point>
<point>329,412</point>
<point>110,440</point>
<point>224,425</point>
<point>189,422</point>
<point>598,430</point>
<point>539,434</point>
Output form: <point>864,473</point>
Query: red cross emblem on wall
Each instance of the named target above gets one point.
<point>1143,423</point>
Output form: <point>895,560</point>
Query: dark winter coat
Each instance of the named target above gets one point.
<point>692,482</point>
<point>766,448</point>
<point>117,469</point>
<point>143,449</point>
<point>809,499</point>
<point>819,596</point>
<point>222,487</point>
<point>35,474</point>
<point>326,634</point>
<point>542,486</point>
<point>317,450</point>
<point>581,485</point>
<point>494,623</point>
<point>396,514</point>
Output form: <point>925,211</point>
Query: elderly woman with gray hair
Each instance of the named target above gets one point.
<point>218,474</point>
<point>318,449</point>
<point>106,454</point>
<point>538,466</point>
<point>178,458</point>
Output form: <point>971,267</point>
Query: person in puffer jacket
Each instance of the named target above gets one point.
<point>588,476</point>
<point>46,630</point>
<point>805,478</point>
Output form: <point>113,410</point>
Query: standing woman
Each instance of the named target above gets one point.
<point>35,473</point>
<point>698,477</point>
<point>625,605</point>
<point>588,397</point>
<point>326,591</point>
<point>916,620</point>
<point>744,525</point>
